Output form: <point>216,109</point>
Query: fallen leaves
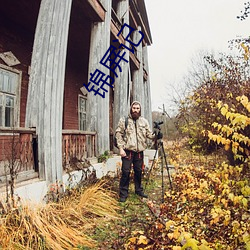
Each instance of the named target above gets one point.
<point>208,208</point>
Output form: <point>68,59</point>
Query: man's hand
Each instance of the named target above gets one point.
<point>122,152</point>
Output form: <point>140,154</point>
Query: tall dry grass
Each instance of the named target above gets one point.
<point>62,225</point>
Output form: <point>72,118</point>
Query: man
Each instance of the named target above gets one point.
<point>131,142</point>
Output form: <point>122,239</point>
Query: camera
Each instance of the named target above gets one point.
<point>157,125</point>
<point>157,131</point>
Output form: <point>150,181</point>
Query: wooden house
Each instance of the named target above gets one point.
<point>48,48</point>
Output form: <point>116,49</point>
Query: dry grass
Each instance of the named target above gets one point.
<point>62,225</point>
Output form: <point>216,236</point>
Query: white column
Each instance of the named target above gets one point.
<point>98,107</point>
<point>121,91</point>
<point>45,95</point>
<point>137,77</point>
<point>148,107</point>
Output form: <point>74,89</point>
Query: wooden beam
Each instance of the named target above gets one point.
<point>135,63</point>
<point>77,132</point>
<point>135,24</point>
<point>132,17</point>
<point>92,9</point>
<point>98,9</point>
<point>144,15</point>
<point>140,22</point>
<point>116,19</point>
<point>144,30</point>
<point>17,130</point>
<point>115,30</point>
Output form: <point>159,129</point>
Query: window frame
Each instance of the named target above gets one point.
<point>17,96</point>
<point>79,112</point>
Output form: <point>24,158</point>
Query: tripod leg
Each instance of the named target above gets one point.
<point>150,170</point>
<point>162,178</point>
<point>165,158</point>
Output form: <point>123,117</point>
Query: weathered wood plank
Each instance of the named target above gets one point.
<point>17,130</point>
<point>98,107</point>
<point>64,19</point>
<point>97,9</point>
<point>77,132</point>
<point>137,76</point>
<point>115,30</point>
<point>47,85</point>
<point>122,82</point>
<point>135,63</point>
<point>148,107</point>
<point>139,19</point>
<point>133,19</point>
<point>92,9</point>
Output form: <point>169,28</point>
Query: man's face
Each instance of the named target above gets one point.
<point>136,108</point>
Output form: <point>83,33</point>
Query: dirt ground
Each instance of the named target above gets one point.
<point>137,213</point>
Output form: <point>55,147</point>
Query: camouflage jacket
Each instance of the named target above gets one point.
<point>136,134</point>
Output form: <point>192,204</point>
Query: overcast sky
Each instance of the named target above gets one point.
<point>181,28</point>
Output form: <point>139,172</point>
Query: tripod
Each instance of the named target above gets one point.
<point>159,148</point>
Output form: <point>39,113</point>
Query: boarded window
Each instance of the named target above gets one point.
<point>82,101</point>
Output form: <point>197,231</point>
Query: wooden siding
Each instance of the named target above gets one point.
<point>137,76</point>
<point>45,96</point>
<point>148,108</point>
<point>98,107</point>
<point>122,82</point>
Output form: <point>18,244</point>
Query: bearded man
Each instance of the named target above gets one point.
<point>132,141</point>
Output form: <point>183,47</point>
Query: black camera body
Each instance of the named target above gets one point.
<point>157,125</point>
<point>157,132</point>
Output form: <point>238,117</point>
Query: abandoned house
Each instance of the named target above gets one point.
<point>48,48</point>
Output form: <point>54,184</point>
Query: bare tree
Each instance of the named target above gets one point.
<point>245,12</point>
<point>12,167</point>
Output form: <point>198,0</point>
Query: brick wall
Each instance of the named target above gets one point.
<point>19,42</point>
<point>73,83</point>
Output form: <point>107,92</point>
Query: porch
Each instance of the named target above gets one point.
<point>19,152</point>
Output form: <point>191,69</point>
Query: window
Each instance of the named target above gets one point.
<point>9,97</point>
<point>82,101</point>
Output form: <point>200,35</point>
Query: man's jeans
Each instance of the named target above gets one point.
<point>135,158</point>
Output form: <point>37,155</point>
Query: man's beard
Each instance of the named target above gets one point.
<point>135,115</point>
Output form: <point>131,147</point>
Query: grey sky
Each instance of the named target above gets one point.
<point>181,28</point>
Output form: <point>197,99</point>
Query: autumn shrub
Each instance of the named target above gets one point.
<point>222,78</point>
<point>207,209</point>
<point>234,133</point>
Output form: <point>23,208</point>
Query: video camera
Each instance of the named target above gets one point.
<point>157,125</point>
<point>157,131</point>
